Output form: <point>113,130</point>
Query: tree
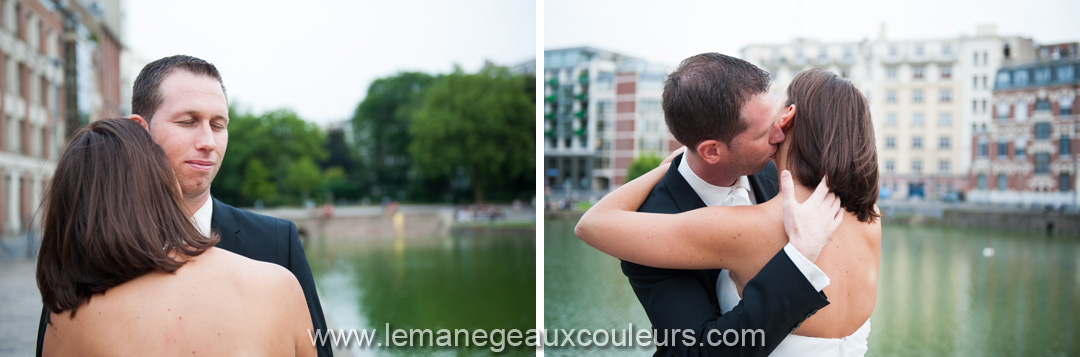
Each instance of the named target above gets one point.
<point>479,128</point>
<point>642,165</point>
<point>275,138</point>
<point>381,124</point>
<point>257,185</point>
<point>303,177</point>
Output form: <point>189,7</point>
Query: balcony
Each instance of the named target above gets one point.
<point>584,97</point>
<point>579,114</point>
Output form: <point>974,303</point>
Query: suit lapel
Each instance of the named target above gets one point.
<point>685,197</point>
<point>224,223</point>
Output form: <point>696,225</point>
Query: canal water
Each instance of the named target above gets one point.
<point>462,282</point>
<point>941,292</point>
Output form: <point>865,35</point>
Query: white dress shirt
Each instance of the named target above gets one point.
<point>714,195</point>
<point>202,217</point>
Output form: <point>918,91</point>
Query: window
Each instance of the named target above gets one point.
<point>917,96</point>
<point>975,58</point>
<point>943,167</point>
<point>890,142</point>
<point>890,72</point>
<point>985,58</point>
<point>1042,163</point>
<point>1020,77</point>
<point>974,105</point>
<point>984,83</point>
<point>944,142</point>
<point>1020,147</point>
<point>1042,131</point>
<point>1003,78</point>
<point>1065,73</point>
<point>1021,111</point>
<point>917,119</point>
<point>1003,110</point>
<point>1065,182</point>
<point>982,146</point>
<point>916,142</point>
<point>890,165</point>
<point>605,80</point>
<point>1042,75</point>
<point>1064,145</point>
<point>1002,148</point>
<point>1002,182</point>
<point>981,181</point>
<point>1042,104</point>
<point>945,95</point>
<point>1065,106</point>
<point>984,105</point>
<point>890,96</point>
<point>946,49</point>
<point>919,50</point>
<point>892,50</point>
<point>890,119</point>
<point>916,166</point>
<point>945,72</point>
<point>917,72</point>
<point>944,119</point>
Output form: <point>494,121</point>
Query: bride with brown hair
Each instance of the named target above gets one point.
<point>123,271</point>
<point>829,134</point>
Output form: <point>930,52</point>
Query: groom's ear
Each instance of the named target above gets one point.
<point>712,151</point>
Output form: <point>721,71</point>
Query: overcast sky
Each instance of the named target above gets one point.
<point>669,31</point>
<point>318,57</point>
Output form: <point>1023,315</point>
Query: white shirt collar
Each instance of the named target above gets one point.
<point>711,194</point>
<point>202,217</point>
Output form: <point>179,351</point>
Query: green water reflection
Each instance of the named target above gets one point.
<point>941,292</point>
<point>470,282</point>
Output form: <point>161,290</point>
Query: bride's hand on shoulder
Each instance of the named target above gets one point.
<point>810,224</point>
<point>675,153</point>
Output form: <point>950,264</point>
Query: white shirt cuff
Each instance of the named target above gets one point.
<point>814,274</point>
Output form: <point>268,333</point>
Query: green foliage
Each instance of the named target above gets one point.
<point>642,165</point>
<point>381,124</point>
<point>303,176</point>
<point>478,129</point>
<point>256,184</point>
<point>275,139</point>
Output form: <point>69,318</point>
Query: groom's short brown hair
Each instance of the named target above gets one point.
<point>703,97</point>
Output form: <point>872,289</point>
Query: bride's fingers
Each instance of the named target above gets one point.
<point>673,155</point>
<point>787,188</point>
<point>820,191</point>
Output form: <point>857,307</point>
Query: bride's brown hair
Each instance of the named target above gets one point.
<point>832,135</point>
<point>113,212</point>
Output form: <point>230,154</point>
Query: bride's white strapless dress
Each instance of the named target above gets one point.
<point>795,345</point>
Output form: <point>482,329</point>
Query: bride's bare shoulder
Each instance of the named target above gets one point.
<point>243,269</point>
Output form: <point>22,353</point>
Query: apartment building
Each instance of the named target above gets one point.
<point>1026,155</point>
<point>601,110</point>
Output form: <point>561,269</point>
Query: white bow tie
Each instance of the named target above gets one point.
<point>738,196</point>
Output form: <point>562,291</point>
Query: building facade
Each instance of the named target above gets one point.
<point>33,102</point>
<point>917,90</point>
<point>601,110</point>
<point>1026,155</point>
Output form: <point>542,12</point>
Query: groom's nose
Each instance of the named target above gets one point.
<point>776,135</point>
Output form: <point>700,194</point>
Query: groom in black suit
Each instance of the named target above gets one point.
<point>721,109</point>
<point>181,101</point>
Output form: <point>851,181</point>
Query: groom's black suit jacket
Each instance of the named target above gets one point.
<point>776,301</point>
<point>261,238</point>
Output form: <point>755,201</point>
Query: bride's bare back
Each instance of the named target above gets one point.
<point>850,260</point>
<point>218,303</point>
